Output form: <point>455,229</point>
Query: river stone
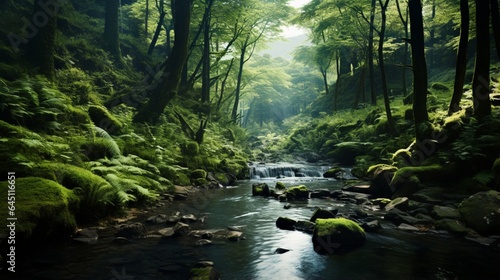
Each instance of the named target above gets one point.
<point>234,235</point>
<point>206,273</point>
<point>166,232</point>
<point>190,218</point>
<point>380,178</point>
<point>304,226</point>
<point>203,242</point>
<point>334,172</point>
<point>372,226</point>
<point>337,236</point>
<point>260,189</point>
<point>285,223</point>
<point>323,214</point>
<point>400,203</point>
<point>442,212</point>
<point>397,217</point>
<point>481,212</point>
<point>407,227</point>
<point>357,188</point>
<point>297,193</point>
<point>88,236</point>
<point>453,226</point>
<point>320,193</point>
<point>132,231</point>
<point>281,251</point>
<point>157,219</point>
<point>181,229</point>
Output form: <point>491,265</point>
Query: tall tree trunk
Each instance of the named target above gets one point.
<point>223,84</point>
<point>111,36</point>
<point>205,74</point>
<point>167,89</point>
<point>41,48</point>
<point>420,114</point>
<point>481,79</point>
<point>461,66</point>
<point>146,19</point>
<point>234,112</point>
<point>337,83</point>
<point>370,55</point>
<point>404,21</point>
<point>157,31</point>
<point>390,120</point>
<point>325,81</point>
<point>495,23</point>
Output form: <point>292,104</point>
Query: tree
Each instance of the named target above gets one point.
<point>111,38</point>
<point>419,65</point>
<point>495,23</point>
<point>461,66</point>
<point>481,78</point>
<point>41,48</point>
<point>166,89</point>
<point>404,21</point>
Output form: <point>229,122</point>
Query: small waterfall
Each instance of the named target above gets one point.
<point>261,171</point>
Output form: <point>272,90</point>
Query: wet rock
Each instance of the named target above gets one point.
<point>285,223</point>
<point>132,231</point>
<point>205,263</point>
<point>372,226</point>
<point>336,194</point>
<point>481,212</point>
<point>337,236</point>
<point>380,177</point>
<point>173,219</point>
<point>121,240</point>
<point>281,251</point>
<point>486,241</point>
<point>190,218</point>
<point>287,206</point>
<point>205,273</point>
<point>334,172</point>
<point>170,268</point>
<point>234,235</point>
<point>407,227</point>
<point>424,219</point>
<point>157,219</point>
<point>381,202</point>
<point>346,152</point>
<point>360,213</point>
<point>235,228</point>
<point>203,242</point>
<point>304,226</point>
<point>282,198</point>
<point>400,203</point>
<point>181,229</point>
<point>445,212</point>
<point>297,193</point>
<point>430,195</point>
<point>452,226</point>
<point>358,188</point>
<point>88,236</point>
<point>323,214</point>
<point>320,194</point>
<point>260,189</point>
<point>397,217</point>
<point>166,232</point>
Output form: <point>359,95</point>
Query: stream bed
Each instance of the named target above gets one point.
<point>390,254</point>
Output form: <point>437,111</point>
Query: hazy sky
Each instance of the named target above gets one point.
<point>293,31</point>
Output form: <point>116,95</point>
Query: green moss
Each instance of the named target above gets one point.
<point>43,207</point>
<point>222,178</point>
<point>198,173</point>
<point>297,193</point>
<point>326,227</point>
<point>190,148</point>
<point>104,119</point>
<point>280,186</point>
<point>14,131</point>
<point>425,173</point>
<point>381,167</point>
<point>203,273</point>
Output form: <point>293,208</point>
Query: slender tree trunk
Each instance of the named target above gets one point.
<point>390,120</point>
<point>162,93</point>
<point>234,112</point>
<point>146,19</point>
<point>361,87</point>
<point>337,83</point>
<point>111,36</point>
<point>325,81</point>
<point>461,66</point>
<point>404,21</point>
<point>370,55</point>
<point>420,114</point>
<point>481,79</point>
<point>157,32</point>
<point>495,23</point>
<point>205,74</point>
<point>223,84</point>
<point>41,48</point>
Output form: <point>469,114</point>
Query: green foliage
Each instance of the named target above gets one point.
<point>44,207</point>
<point>104,119</point>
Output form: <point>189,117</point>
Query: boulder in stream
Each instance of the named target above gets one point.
<point>285,223</point>
<point>260,189</point>
<point>132,231</point>
<point>337,236</point>
<point>481,212</point>
<point>297,193</point>
<point>323,214</point>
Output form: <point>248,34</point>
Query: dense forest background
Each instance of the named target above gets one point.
<point>110,104</point>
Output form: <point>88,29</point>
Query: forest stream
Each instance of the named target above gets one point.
<point>389,254</point>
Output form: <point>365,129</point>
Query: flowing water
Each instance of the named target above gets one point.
<point>391,254</point>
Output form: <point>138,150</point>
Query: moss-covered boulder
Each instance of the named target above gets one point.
<point>104,119</point>
<point>297,193</point>
<point>204,273</point>
<point>280,186</point>
<point>260,189</point>
<point>455,227</point>
<point>323,214</point>
<point>337,236</point>
<point>496,173</point>
<point>43,208</point>
<point>198,173</point>
<point>381,176</point>
<point>346,152</point>
<point>481,212</point>
<point>334,172</point>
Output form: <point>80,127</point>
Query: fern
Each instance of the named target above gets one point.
<point>130,187</point>
<point>110,144</point>
<point>483,177</point>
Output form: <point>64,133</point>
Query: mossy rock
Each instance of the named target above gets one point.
<point>238,168</point>
<point>440,87</point>
<point>323,214</point>
<point>190,148</point>
<point>334,172</point>
<point>260,189</point>
<point>104,119</point>
<point>280,186</point>
<point>182,179</point>
<point>200,182</point>
<point>346,152</point>
<point>222,178</point>
<point>481,212</point>
<point>455,227</point>
<point>204,273</point>
<point>68,175</point>
<point>198,173</point>
<point>380,177</point>
<point>43,208</point>
<point>297,193</point>
<point>425,173</point>
<point>337,236</point>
